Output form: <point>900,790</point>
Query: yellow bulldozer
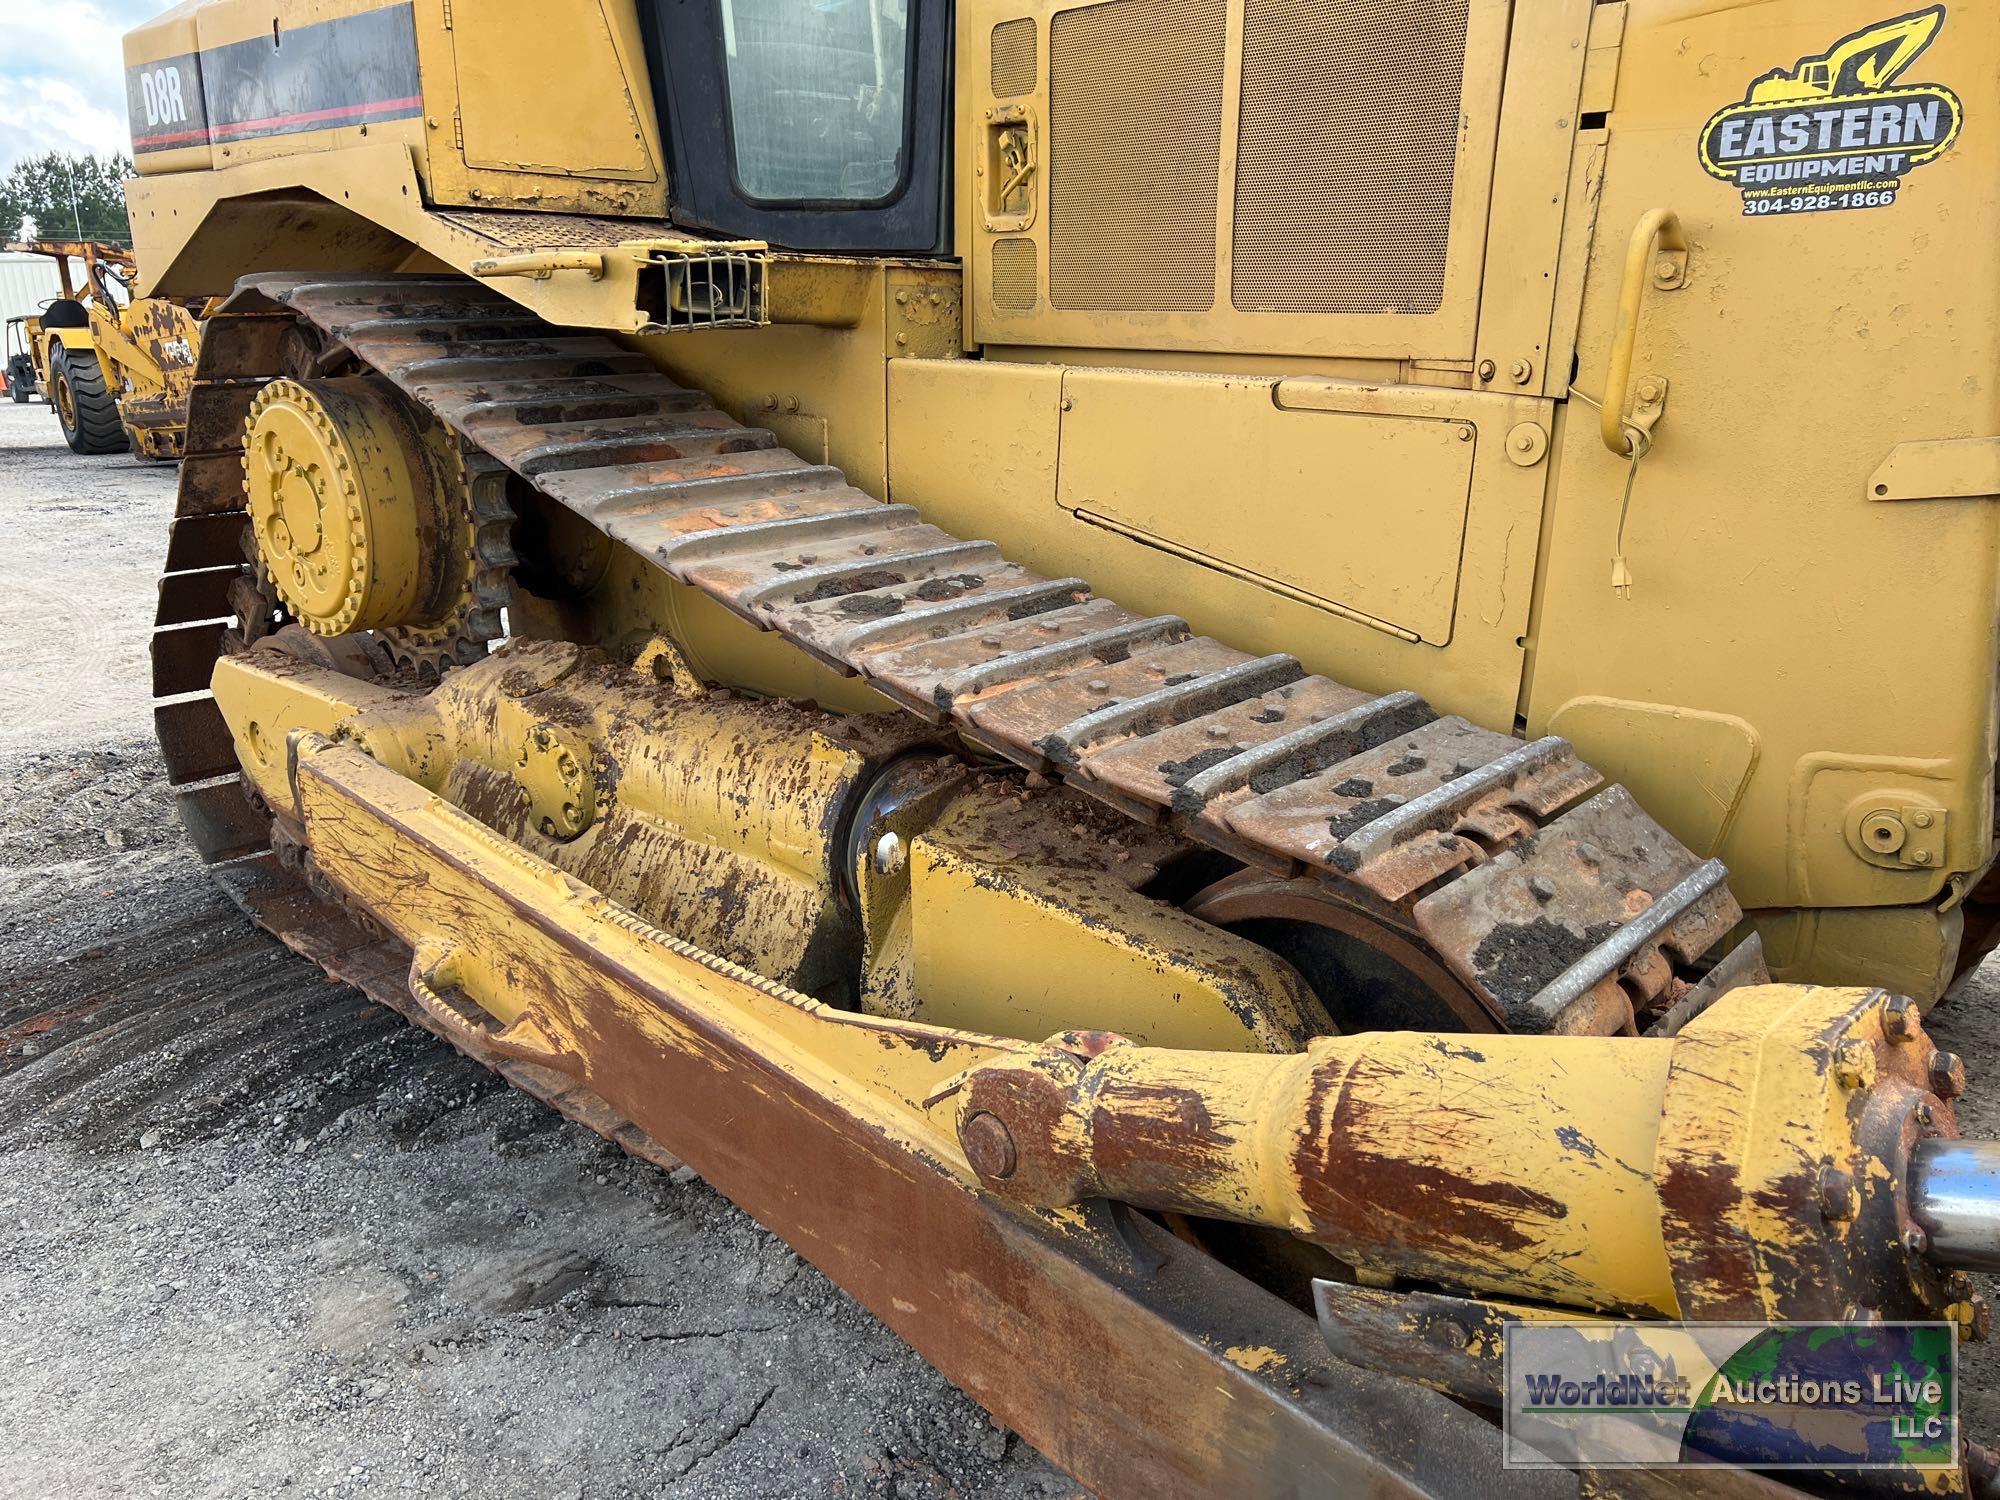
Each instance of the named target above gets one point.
<point>1226,697</point>
<point>116,368</point>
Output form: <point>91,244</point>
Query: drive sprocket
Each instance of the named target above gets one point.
<point>368,516</point>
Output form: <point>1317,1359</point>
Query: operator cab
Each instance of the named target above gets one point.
<point>20,365</point>
<point>810,124</point>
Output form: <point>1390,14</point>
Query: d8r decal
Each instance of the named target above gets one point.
<point>163,100</point>
<point>164,95</point>
<point>348,70</point>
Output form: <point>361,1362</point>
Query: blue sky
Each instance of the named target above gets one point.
<point>62,74</point>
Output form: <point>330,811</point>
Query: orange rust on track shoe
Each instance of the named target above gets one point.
<point>1552,897</point>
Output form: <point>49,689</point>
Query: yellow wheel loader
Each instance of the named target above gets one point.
<point>117,369</point>
<point>1223,696</point>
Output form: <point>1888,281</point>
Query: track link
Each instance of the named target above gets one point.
<point>1555,900</point>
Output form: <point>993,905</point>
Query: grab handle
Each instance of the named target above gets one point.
<point>433,969</point>
<point>1660,227</point>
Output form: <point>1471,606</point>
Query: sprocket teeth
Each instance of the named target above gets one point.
<point>478,488</point>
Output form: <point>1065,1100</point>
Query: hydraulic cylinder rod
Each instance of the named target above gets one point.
<point>1955,1196</point>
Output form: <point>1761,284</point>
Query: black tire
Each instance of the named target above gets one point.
<point>18,392</point>
<point>89,417</point>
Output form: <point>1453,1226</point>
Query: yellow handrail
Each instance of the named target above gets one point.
<point>1664,226</point>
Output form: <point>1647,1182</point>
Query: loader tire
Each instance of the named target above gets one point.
<point>86,410</point>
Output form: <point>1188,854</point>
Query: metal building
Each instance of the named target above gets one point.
<point>26,282</point>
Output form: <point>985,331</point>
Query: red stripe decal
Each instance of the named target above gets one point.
<point>276,123</point>
<point>178,137</point>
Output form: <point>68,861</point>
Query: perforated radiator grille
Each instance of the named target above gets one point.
<point>1349,141</point>
<point>1135,107</point>
<point>1013,57</point>
<point>1014,274</point>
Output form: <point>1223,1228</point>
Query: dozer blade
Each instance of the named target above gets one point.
<point>1094,1333</point>
<point>1015,1269</point>
<point>1589,913</point>
<point>1088,1328</point>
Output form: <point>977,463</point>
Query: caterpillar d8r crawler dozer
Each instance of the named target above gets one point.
<point>1213,692</point>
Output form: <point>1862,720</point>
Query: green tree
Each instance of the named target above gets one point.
<point>53,195</point>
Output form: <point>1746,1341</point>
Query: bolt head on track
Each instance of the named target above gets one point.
<point>340,496</point>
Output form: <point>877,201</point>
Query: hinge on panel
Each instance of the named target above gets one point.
<point>1897,832</point>
<point>447,15</point>
<point>458,129</point>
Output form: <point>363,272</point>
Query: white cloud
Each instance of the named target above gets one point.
<point>62,75</point>
<point>47,113</point>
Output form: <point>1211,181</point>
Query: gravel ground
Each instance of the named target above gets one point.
<point>259,1237</point>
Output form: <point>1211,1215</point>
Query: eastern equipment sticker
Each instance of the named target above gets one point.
<point>1836,130</point>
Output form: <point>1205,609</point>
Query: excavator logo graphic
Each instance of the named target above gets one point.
<point>1836,130</point>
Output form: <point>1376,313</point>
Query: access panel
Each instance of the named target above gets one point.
<point>1358,511</point>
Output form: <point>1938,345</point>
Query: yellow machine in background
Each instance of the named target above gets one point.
<point>1078,582</point>
<point>116,368</point>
